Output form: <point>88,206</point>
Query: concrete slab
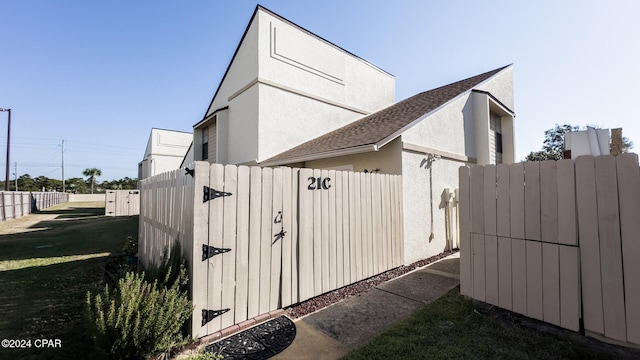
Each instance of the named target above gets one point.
<point>311,344</point>
<point>356,320</point>
<point>420,285</point>
<point>447,265</point>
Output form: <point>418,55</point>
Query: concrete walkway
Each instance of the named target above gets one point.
<point>332,332</point>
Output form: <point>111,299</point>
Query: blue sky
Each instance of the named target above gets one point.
<point>101,74</point>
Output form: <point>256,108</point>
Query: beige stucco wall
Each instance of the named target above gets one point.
<point>286,86</point>
<point>165,151</point>
<point>425,205</point>
<point>388,159</point>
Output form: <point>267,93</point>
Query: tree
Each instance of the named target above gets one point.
<point>92,173</point>
<point>553,146</point>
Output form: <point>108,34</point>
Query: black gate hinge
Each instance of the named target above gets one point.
<point>210,194</point>
<point>211,251</point>
<point>188,171</point>
<point>208,315</point>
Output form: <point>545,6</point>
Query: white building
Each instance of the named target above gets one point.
<point>166,150</point>
<point>291,98</point>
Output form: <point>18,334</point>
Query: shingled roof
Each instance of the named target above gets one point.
<point>380,127</point>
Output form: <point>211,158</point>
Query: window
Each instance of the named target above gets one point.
<point>498,142</point>
<point>205,143</point>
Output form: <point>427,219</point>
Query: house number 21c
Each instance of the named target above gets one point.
<point>319,183</point>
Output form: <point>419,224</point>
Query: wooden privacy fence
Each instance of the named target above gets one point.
<point>19,203</point>
<point>260,239</point>
<point>122,202</point>
<point>556,241</point>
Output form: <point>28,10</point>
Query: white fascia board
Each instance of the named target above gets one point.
<point>324,155</point>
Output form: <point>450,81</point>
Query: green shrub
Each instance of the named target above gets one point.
<point>142,316</point>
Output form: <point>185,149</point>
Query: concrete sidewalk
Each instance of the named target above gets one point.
<point>332,332</point>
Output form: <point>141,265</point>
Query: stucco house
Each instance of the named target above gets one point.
<point>166,150</point>
<point>291,98</point>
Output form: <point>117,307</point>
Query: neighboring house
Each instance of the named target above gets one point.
<point>291,98</point>
<point>166,150</point>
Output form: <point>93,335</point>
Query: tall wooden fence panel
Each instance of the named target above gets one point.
<point>542,238</point>
<point>14,204</point>
<point>263,239</point>
<point>122,202</point>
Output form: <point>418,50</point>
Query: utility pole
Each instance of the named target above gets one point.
<point>6,182</point>
<point>16,173</point>
<point>63,165</point>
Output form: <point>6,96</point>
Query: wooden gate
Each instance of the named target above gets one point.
<point>122,202</point>
<point>265,238</point>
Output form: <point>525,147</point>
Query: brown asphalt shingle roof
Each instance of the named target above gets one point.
<point>375,127</point>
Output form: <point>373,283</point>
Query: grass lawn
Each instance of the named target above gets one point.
<point>454,327</point>
<point>48,261</point>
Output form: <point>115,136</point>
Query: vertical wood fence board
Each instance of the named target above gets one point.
<point>276,244</point>
<point>591,280</point>
<point>505,289</point>
<point>347,267</point>
<point>479,277</point>
<point>569,288</point>
<point>551,283</point>
<point>385,193</point>
<point>295,236</point>
<point>358,221</point>
<point>339,223</point>
<point>376,220</point>
<point>305,244</point>
<point>324,234</point>
<point>266,238</point>
<point>489,200</point>
<point>466,284</point>
<point>198,277</point>
<point>317,237</point>
<point>229,242</point>
<point>368,232</point>
<point>534,279</point>
<point>519,265</point>
<point>477,199</point>
<point>355,243</point>
<point>400,218</point>
<point>610,248</point>
<point>628,174</point>
<point>242,244</point>
<point>287,219</point>
<point>216,225</point>
<point>516,197</point>
<point>491,268</point>
<point>335,249</point>
<point>503,219</point>
<point>255,227</point>
<point>567,216</point>
<point>549,201</point>
<point>532,200</point>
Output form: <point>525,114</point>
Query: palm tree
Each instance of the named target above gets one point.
<point>92,173</point>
